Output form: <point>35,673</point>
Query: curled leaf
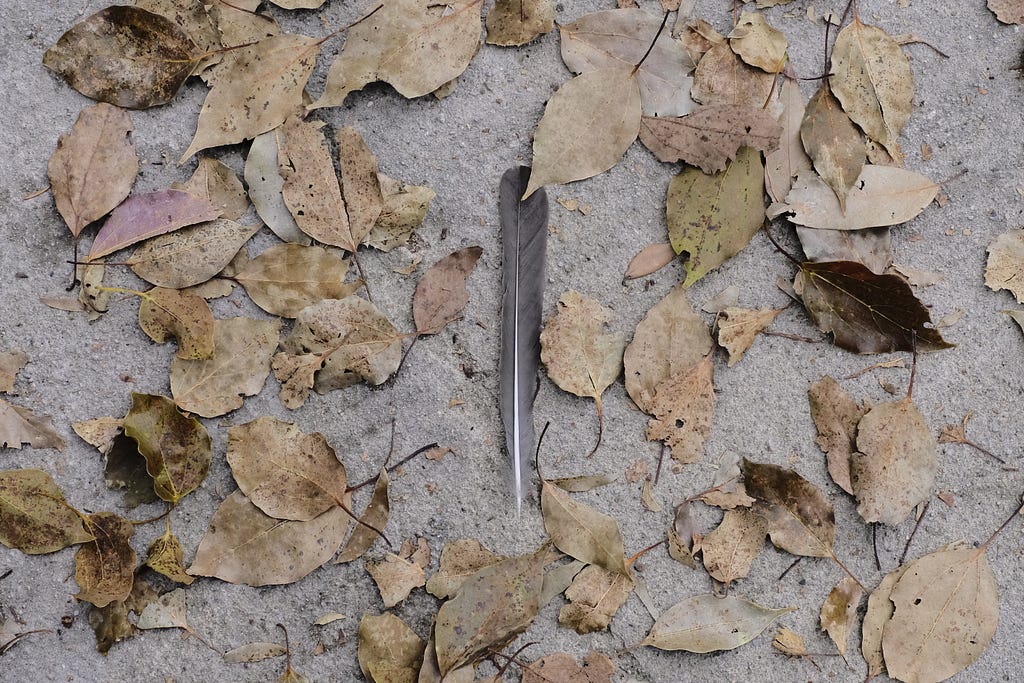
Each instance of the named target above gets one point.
<point>263,176</point>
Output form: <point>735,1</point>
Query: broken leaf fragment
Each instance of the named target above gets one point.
<point>395,578</point>
<point>561,666</point>
<point>758,43</point>
<point>20,426</point>
<point>441,294</point>
<point>738,327</point>
<point>707,623</point>
<point>839,612</point>
<point>105,566</point>
<point>35,517</point>
<point>1005,267</point>
<point>595,595</point>
<point>580,531</point>
<point>371,522</point>
<point>459,560</point>
<point>681,411</point>
<point>517,22</point>
<point>388,650</point>
<point>405,207</point>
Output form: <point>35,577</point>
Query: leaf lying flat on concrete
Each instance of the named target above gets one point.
<point>708,623</point>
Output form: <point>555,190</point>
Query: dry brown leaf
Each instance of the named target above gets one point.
<point>20,426</point>
<point>190,256</point>
<point>94,166</point>
<point>253,652</point>
<point>195,20</point>
<point>363,198</point>
<point>833,144</point>
<point>708,623</point>
<point>11,363</point>
<point>800,519</point>
<point>35,518</point>
<point>388,651</point>
<point>588,124</point>
<point>1007,11</point>
<point>517,22</point>
<point>405,207</point>
<point>441,294</point>
<point>580,531</point>
<point>789,643</point>
<point>782,165</point>
<point>165,555</point>
<point>650,259</point>
<point>595,595</point>
<point>371,522</point>
<point>105,566</point>
<point>562,667</point>
<point>739,326</point>
<point>263,176</point>
<point>697,36</point>
<point>681,536</point>
<point>722,77</point>
<point>896,467</point>
<point>1005,267</point>
<point>731,548</point>
<point>459,560</point>
<point>395,578</point>
<point>165,313</point>
<point>91,295</point>
<point>242,351</point>
<point>836,416</point>
<point>167,611</point>
<point>681,411</point>
<point>287,278</point>
<point>758,43</point>
<point>839,612</point>
<point>217,183</point>
<point>879,612</point>
<point>871,247</point>
<point>147,215</point>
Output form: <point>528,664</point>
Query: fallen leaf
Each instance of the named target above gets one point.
<point>395,578</point>
<point>492,606</point>
<point>731,548</point>
<point>418,554</point>
<point>721,77</point>
<point>871,247</point>
<point>441,294</point>
<point>374,517</point>
<point>727,298</point>
<point>670,340</point>
<point>286,473</point>
<point>710,136</point>
<point>871,77</point>
<point>1005,267</point>
<point>99,432</point>
<point>459,560</point>
<point>260,86</point>
<point>707,623</point>
<point>239,24</point>
<point>835,147</point>
<point>105,566</point>
<point>125,56</point>
<point>789,643</point>
<point>287,278</point>
<point>165,313</point>
<point>650,259</point>
<point>329,618</point>
<point>946,614</point>
<point>711,218</point>
<point>618,39</point>
<point>879,612</point>
<point>647,498</point>
<point>11,363</point>
<point>242,351</point>
<point>682,409</point>
<point>167,611</point>
<point>865,312</point>
<point>253,652</point>
<point>217,183</point>
<point>517,22</point>
<point>1018,317</point>
<point>405,207</point>
<point>836,416</point>
<point>1007,11</point>
<point>757,43</point>
<point>697,36</point>
<point>595,595</point>
<point>165,555</point>
<point>918,278</point>
<point>263,176</point>
<point>36,519</point>
<point>245,546</point>
<point>580,531</point>
<point>881,196</point>
<point>561,666</point>
<point>579,353</point>
<point>364,200</point>
<point>728,491</point>
<point>195,21</point>
<point>388,650</point>
<point>558,580</point>
<point>142,216</point>
<point>93,167</point>
<point>681,545</point>
<point>191,255</point>
<point>415,46</point>
<point>896,467</point>
<point>800,519</point>
<point>588,124</point>
<point>738,326</point>
<point>19,426</point>
<point>839,612</point>
<point>110,623</point>
<point>786,162</point>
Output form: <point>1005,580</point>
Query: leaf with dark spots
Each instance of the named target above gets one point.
<point>105,567</point>
<point>800,519</point>
<point>34,516</point>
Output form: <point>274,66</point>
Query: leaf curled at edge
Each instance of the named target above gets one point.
<point>165,313</point>
<point>707,623</point>
<point>36,518</point>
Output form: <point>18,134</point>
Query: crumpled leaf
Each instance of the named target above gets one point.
<point>681,542</point>
<point>34,516</point>
<point>459,560</point>
<point>595,595</point>
<point>286,473</point>
<point>707,623</point>
<point>561,666</point>
<point>263,176</point>
<point>1007,11</point>
<point>681,411</point>
<point>167,611</point>
<point>800,519</point>
<point>416,46</point>
<point>738,327</point>
<point>617,39</point>
<point>105,566</point>
<point>364,200</point>
<point>579,353</point>
<point>870,246</point>
<point>517,22</point>
<point>896,467</point>
<point>245,546</point>
<point>142,216</point>
<point>375,516</point>
<point>253,652</point>
<point>287,278</point>
<point>871,77</point>
<point>946,614</point>
<point>125,56</point>
<point>721,77</point>
<point>580,531</point>
<point>650,259</point>
<point>881,196</point>
<point>865,312</point>
<point>712,218</point>
<point>836,416</point>
<point>217,183</point>
<point>783,164</point>
<point>710,136</point>
<point>341,341</point>
<point>91,294</point>
<point>110,623</point>
<point>441,294</point>
<point>191,255</point>
<point>165,555</point>
<point>839,612</point>
<point>94,166</point>
<point>731,548</point>
<point>19,426</point>
<point>388,651</point>
<point>1005,267</point>
<point>165,313</point>
<point>671,339</point>
<point>395,578</point>
<point>405,207</point>
<point>588,124</point>
<point>259,86</point>
<point>242,351</point>
<point>835,147</point>
<point>491,606</point>
<point>757,43</point>
<point>176,448</point>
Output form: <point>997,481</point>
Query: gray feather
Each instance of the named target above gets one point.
<point>524,232</point>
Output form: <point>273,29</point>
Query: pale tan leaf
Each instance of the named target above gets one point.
<point>517,22</point>
<point>287,278</point>
<point>1007,11</point>
<point>459,560</point>
<point>839,611</point>
<point>697,36</point>
<point>727,298</point>
<point>738,326</point>
<point>405,207</point>
<point>789,643</point>
<point>190,256</point>
<point>650,259</point>
<point>833,144</point>
<point>871,247</point>
<point>580,531</point>
<point>217,183</point>
<point>786,162</point>
<point>1005,267</point>
<point>707,623</point>
<point>395,578</point>
<point>728,491</point>
<point>558,580</point>
<point>371,522</point>
<point>363,198</point>
<point>681,411</point>
<point>167,611</point>
<point>388,650</point>
<point>165,313</point>
<point>758,43</point>
<point>253,652</point>
<point>710,136</point>
<point>731,548</point>
<point>722,77</point>
<point>263,176</point>
<point>595,595</point>
<point>836,416</point>
<point>879,612</point>
<point>328,618</point>
<point>681,537</point>
<point>19,426</point>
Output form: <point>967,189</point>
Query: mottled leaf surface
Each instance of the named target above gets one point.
<point>441,293</point>
<point>710,137</point>
<point>707,623</point>
<point>36,518</point>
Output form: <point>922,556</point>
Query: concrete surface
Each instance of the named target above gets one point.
<point>460,146</point>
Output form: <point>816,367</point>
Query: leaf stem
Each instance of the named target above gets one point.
<point>641,553</point>
<point>848,572</point>
<point>394,467</point>
<point>1018,511</point>
<point>600,427</point>
<point>650,48</point>
<point>536,453</point>
<point>778,246</point>
<point>913,532</point>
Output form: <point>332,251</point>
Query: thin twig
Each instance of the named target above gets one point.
<point>910,538</point>
<point>789,569</point>
<point>394,467</point>
<point>651,46</point>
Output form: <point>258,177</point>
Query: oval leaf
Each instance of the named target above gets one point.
<point>34,516</point>
<point>441,294</point>
<point>800,519</point>
<point>287,278</point>
<point>147,215</point>
<point>263,176</point>
<point>580,531</point>
<point>165,313</point>
<point>190,256</point>
<point>835,147</point>
<point>707,623</point>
